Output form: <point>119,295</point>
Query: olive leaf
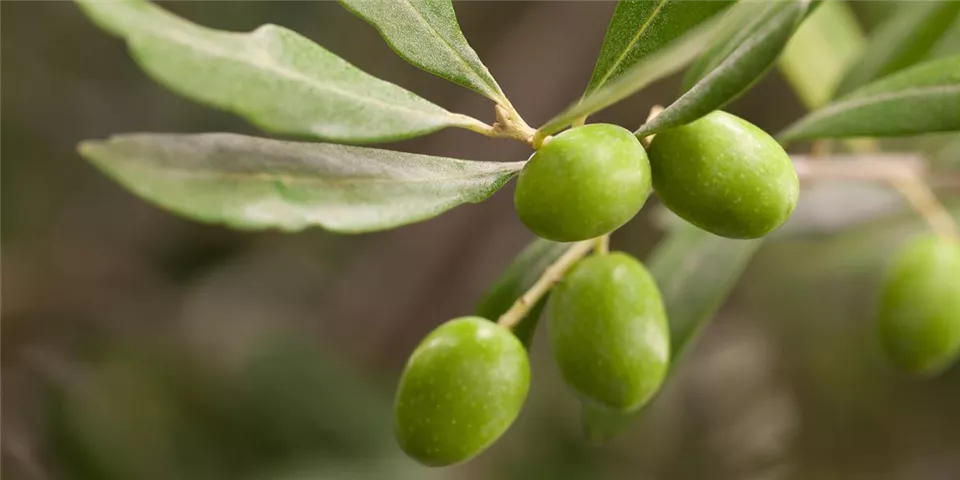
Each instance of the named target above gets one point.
<point>731,23</point>
<point>426,34</point>
<point>737,62</point>
<point>695,271</point>
<point>921,99</point>
<point>522,273</point>
<point>639,28</point>
<point>274,77</point>
<point>258,183</point>
<point>833,27</point>
<point>901,41</point>
<point>666,61</point>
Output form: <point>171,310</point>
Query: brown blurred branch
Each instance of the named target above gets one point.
<point>872,167</point>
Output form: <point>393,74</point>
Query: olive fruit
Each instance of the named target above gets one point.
<point>609,332</point>
<point>724,175</point>
<point>461,389</point>
<point>583,183</point>
<point>919,315</point>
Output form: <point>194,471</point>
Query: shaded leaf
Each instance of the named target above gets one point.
<point>921,99</point>
<point>257,183</point>
<point>901,41</point>
<point>832,27</point>
<point>736,63</point>
<point>426,34</point>
<point>695,271</point>
<point>640,27</point>
<point>274,77</point>
<point>522,273</point>
<point>732,23</point>
<point>656,66</point>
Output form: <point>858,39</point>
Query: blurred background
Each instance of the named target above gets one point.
<point>138,345</point>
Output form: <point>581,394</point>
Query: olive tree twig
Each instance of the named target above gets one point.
<point>550,276</point>
<point>874,167</point>
<point>905,173</point>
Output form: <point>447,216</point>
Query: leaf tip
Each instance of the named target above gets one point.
<point>87,148</point>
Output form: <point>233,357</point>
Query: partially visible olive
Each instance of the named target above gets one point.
<point>919,315</point>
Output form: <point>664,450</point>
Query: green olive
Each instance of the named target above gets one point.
<point>583,183</point>
<point>919,317</point>
<point>461,389</point>
<point>724,175</point>
<point>609,332</point>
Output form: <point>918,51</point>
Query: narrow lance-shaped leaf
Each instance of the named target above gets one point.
<point>274,77</point>
<point>730,24</point>
<point>257,183</point>
<point>833,27</point>
<point>664,62</point>
<point>901,41</point>
<point>736,63</point>
<point>426,34</point>
<point>640,27</point>
<point>921,99</point>
<point>695,271</point>
<point>522,273</point>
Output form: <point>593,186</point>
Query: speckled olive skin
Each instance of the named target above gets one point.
<point>724,175</point>
<point>584,183</point>
<point>461,389</point>
<point>609,332</point>
<point>919,317</point>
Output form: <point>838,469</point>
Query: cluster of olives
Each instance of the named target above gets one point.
<point>466,382</point>
<point>720,173</point>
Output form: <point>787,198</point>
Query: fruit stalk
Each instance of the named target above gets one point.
<point>601,245</point>
<point>654,111</point>
<point>550,276</point>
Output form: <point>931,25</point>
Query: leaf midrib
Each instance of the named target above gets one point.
<point>631,44</point>
<point>175,171</point>
<point>845,105</point>
<point>492,90</point>
<point>258,63</point>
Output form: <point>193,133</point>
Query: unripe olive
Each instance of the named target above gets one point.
<point>583,183</point>
<point>609,332</point>
<point>919,317</point>
<point>724,175</point>
<point>461,389</point>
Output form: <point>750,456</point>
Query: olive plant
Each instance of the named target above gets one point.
<point>615,324</point>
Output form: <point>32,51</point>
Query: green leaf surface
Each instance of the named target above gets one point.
<point>695,271</point>
<point>660,64</point>
<point>274,77</point>
<point>921,99</point>
<point>641,27</point>
<point>257,183</point>
<point>731,23</point>
<point>426,34</point>
<point>735,63</point>
<point>832,27</point>
<point>522,273</point>
<point>904,39</point>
